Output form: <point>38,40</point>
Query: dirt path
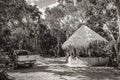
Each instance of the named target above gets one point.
<point>56,69</point>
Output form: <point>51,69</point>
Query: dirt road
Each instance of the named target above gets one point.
<point>56,69</point>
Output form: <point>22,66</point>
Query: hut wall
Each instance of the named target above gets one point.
<point>97,61</point>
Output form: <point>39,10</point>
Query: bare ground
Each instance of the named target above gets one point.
<point>56,69</point>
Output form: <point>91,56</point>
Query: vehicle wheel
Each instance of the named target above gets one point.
<point>31,65</point>
<point>14,66</point>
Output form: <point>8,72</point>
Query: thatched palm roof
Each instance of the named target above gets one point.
<point>82,38</point>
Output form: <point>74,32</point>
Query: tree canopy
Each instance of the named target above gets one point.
<point>99,15</point>
<point>22,27</point>
<point>18,23</point>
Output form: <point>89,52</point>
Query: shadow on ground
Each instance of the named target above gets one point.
<point>59,68</point>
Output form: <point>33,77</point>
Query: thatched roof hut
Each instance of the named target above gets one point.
<point>82,38</point>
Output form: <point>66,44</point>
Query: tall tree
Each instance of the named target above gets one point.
<point>18,15</point>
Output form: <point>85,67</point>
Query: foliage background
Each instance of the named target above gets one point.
<point>21,26</point>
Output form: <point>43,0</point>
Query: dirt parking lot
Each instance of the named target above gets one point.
<point>56,69</point>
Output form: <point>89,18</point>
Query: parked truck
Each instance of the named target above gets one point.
<point>22,57</point>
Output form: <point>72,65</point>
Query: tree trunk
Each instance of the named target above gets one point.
<point>116,44</point>
<point>35,41</point>
<point>58,47</point>
<point>20,44</point>
<point>118,39</point>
